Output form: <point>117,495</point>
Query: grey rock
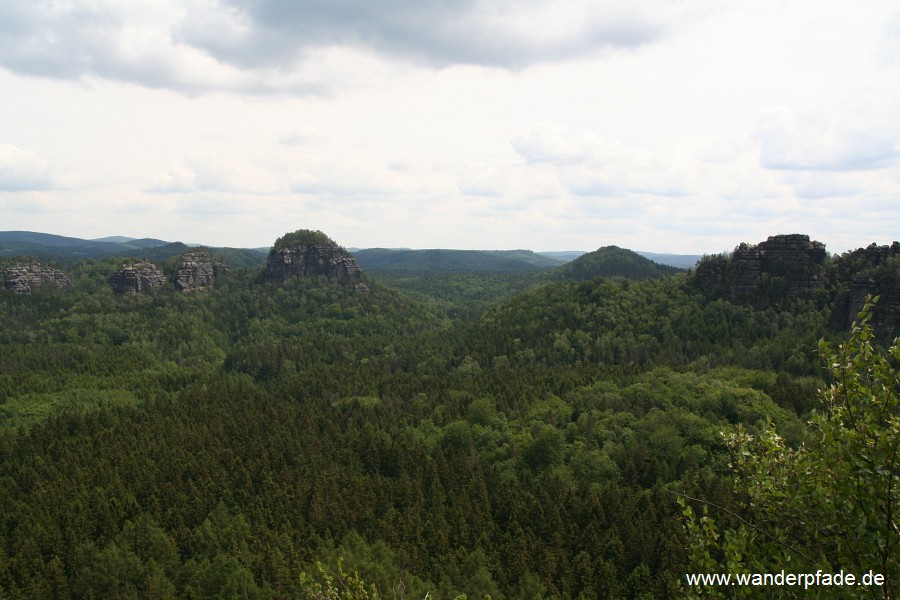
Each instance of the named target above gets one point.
<point>23,279</point>
<point>782,267</point>
<point>314,259</point>
<point>197,271</point>
<point>137,278</point>
<point>873,271</point>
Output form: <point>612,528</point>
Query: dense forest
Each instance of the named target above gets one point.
<point>596,430</point>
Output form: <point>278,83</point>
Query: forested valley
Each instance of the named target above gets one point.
<point>514,435</point>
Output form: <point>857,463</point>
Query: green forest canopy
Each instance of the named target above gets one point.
<point>518,445</point>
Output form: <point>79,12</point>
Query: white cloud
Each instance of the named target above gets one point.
<point>549,142</point>
<point>789,142</point>
<point>300,136</point>
<point>816,185</point>
<point>479,123</point>
<point>491,33</point>
<point>29,203</point>
<point>589,164</point>
<point>22,170</point>
<point>274,46</point>
<point>890,42</point>
<point>479,179</point>
<point>179,178</point>
<point>123,41</point>
<point>216,207</point>
<point>215,173</point>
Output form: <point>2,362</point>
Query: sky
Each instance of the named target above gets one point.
<point>684,126</point>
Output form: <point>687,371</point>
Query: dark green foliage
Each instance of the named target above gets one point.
<point>13,243</point>
<point>805,277</point>
<point>455,261</point>
<point>829,504</point>
<point>612,261</point>
<point>473,433</point>
<point>871,271</point>
<point>632,326</point>
<point>239,257</point>
<point>66,250</point>
<point>302,237</point>
<point>460,294</point>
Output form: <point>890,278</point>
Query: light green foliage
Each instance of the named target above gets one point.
<point>344,585</point>
<point>832,503</point>
<point>340,586</point>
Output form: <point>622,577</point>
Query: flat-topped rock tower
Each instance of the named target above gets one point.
<point>307,253</point>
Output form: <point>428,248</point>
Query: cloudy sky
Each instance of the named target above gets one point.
<point>663,125</point>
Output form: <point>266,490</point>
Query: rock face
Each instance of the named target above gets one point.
<point>23,279</point>
<point>782,267</point>
<point>309,254</point>
<point>137,278</point>
<point>196,271</point>
<point>871,271</point>
<point>787,267</point>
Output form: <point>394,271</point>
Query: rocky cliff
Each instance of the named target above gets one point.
<point>789,267</point>
<point>781,268</point>
<point>310,254</point>
<point>196,271</point>
<point>871,271</point>
<point>23,279</point>
<point>137,278</point>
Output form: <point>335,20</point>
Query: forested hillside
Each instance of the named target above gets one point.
<point>456,433</point>
<point>68,250</point>
<point>494,261</point>
<point>612,261</point>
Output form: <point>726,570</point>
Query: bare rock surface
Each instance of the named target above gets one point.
<point>309,254</point>
<point>196,271</point>
<point>137,278</point>
<point>23,279</point>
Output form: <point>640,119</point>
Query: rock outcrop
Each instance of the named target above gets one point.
<point>310,254</point>
<point>789,267</point>
<point>196,271</point>
<point>137,278</point>
<point>872,271</point>
<point>23,279</point>
<point>783,267</point>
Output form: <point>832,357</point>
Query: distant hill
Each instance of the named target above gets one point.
<point>29,242</point>
<point>563,256</point>
<point>612,261</point>
<point>497,261</point>
<point>405,260</point>
<point>62,248</point>
<point>144,243</point>
<point>114,239</point>
<point>682,261</point>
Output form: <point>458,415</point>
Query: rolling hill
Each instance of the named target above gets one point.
<point>612,261</point>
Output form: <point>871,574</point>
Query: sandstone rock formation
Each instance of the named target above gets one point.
<point>788,267</point>
<point>309,254</point>
<point>137,278</point>
<point>782,267</point>
<point>871,271</point>
<point>23,279</point>
<point>196,271</point>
